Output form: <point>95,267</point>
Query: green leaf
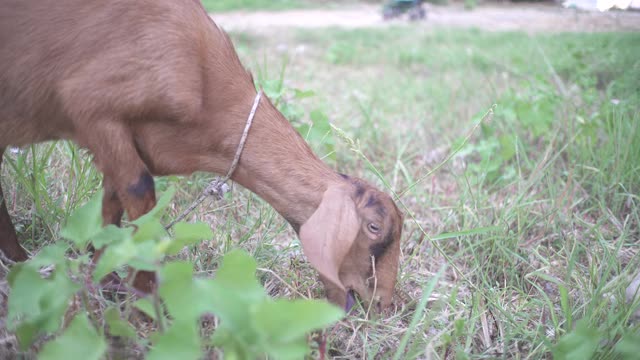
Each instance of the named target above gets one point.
<point>27,333</point>
<point>507,147</point>
<point>49,255</point>
<point>273,89</point>
<point>146,306</point>
<point>113,257</point>
<point>176,289</point>
<point>149,230</point>
<point>302,94</point>
<point>237,274</point>
<point>283,325</point>
<point>79,341</point>
<point>320,121</point>
<point>290,351</point>
<point>186,297</point>
<point>186,234</point>
<point>39,303</point>
<point>293,113</point>
<point>117,326</point>
<point>148,256</point>
<point>233,344</point>
<point>581,343</point>
<point>85,222</point>
<point>629,346</point>
<point>181,341</point>
<point>232,295</point>
<point>236,279</point>
<point>111,234</point>
<point>284,320</point>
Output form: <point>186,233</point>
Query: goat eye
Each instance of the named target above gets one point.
<point>374,228</point>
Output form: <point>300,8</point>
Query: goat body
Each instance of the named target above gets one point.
<point>154,87</point>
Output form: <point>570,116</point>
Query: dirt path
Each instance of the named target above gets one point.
<point>529,18</point>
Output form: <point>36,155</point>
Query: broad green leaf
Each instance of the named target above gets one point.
<point>321,131</point>
<point>53,254</point>
<point>320,120</point>
<point>232,302</point>
<point>181,341</point>
<point>151,229</point>
<point>233,345</point>
<point>507,147</point>
<point>488,131</point>
<point>76,265</point>
<point>284,321</point>
<point>186,297</point>
<point>192,232</point>
<point>146,306</point>
<point>237,274</point>
<point>149,255</point>
<point>39,303</point>
<point>273,89</point>
<point>629,346</point>
<point>233,308</point>
<point>290,351</point>
<point>117,326</point>
<point>49,255</point>
<point>79,341</point>
<point>85,222</point>
<point>27,332</point>
<point>111,234</point>
<point>302,94</point>
<point>283,325</point>
<point>186,234</point>
<point>176,289</point>
<point>29,291</point>
<point>113,257</point>
<point>232,295</point>
<point>581,343</point>
<point>25,283</point>
<point>293,113</point>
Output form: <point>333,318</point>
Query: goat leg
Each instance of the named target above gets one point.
<point>8,239</point>
<point>112,209</point>
<point>128,185</point>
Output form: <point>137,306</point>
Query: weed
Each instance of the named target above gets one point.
<point>251,323</point>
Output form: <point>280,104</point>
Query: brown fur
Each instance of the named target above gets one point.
<point>154,86</point>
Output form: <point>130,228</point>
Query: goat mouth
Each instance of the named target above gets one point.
<point>351,300</point>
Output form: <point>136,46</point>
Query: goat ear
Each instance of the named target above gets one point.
<point>329,233</point>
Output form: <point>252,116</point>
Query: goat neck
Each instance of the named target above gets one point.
<point>278,165</point>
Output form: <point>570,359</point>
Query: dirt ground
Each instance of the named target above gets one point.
<point>522,17</point>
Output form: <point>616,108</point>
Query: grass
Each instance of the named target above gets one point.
<point>226,5</point>
<point>271,5</point>
<point>530,229</point>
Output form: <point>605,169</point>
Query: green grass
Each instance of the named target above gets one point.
<point>227,5</point>
<point>533,221</point>
<point>270,5</point>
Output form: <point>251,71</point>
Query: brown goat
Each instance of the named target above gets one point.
<point>154,87</point>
